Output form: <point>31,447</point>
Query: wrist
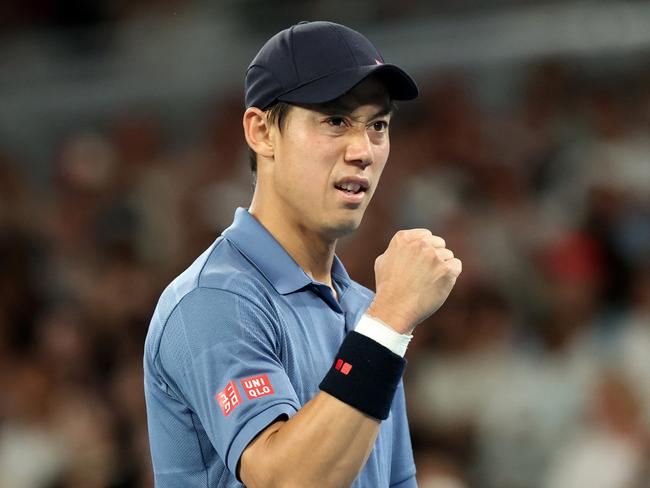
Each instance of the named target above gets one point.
<point>391,318</point>
<point>388,337</point>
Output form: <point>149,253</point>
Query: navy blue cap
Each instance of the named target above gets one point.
<point>315,62</point>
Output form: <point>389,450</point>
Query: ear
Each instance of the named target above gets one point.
<point>258,132</point>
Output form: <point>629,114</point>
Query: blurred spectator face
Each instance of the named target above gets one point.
<point>63,345</point>
<point>28,394</point>
<point>436,471</point>
<point>87,163</point>
<point>320,146</point>
<point>616,406</point>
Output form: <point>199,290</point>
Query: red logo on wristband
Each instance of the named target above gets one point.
<point>342,366</point>
<point>228,398</point>
<point>257,386</point>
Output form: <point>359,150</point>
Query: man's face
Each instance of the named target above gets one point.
<point>328,159</point>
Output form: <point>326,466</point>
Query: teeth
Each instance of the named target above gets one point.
<point>353,187</point>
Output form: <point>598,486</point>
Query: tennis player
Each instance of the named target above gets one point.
<point>265,363</point>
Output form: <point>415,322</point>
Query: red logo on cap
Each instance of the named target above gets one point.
<point>257,386</point>
<point>228,398</point>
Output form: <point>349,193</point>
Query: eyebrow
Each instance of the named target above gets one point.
<point>339,108</point>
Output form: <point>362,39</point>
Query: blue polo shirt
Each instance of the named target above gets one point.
<point>242,337</point>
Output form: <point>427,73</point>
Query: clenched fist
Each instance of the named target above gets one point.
<point>413,279</point>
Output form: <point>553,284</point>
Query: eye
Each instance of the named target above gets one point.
<point>336,121</point>
<point>380,126</point>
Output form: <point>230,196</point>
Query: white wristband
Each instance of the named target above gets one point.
<point>383,334</point>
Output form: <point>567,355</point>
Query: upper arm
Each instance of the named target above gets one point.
<point>219,351</point>
<point>252,465</point>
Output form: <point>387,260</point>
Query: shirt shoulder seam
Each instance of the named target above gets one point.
<point>189,292</point>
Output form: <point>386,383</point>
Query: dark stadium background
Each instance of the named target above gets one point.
<point>122,157</point>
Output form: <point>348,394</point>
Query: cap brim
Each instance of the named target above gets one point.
<point>399,84</point>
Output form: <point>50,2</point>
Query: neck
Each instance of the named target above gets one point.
<point>313,253</point>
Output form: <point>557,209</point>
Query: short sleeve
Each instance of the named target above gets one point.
<point>402,472</point>
<point>219,354</point>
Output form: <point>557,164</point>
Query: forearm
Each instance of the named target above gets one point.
<point>325,444</point>
<point>329,440</point>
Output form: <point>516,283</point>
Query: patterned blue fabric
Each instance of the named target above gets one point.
<point>240,338</point>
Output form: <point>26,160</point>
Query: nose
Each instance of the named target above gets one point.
<point>359,149</point>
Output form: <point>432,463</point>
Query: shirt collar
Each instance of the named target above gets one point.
<point>270,258</point>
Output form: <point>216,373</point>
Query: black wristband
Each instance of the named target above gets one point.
<point>365,375</point>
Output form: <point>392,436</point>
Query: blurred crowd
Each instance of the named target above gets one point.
<point>534,374</point>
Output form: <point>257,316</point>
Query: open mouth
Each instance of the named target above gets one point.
<point>350,188</point>
<point>353,189</point>
<point>353,184</point>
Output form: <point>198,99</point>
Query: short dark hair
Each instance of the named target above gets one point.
<point>277,114</point>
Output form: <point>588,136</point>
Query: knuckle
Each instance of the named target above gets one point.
<point>401,235</point>
<point>429,251</point>
<point>452,266</point>
<point>445,254</point>
<point>409,235</point>
<point>439,241</point>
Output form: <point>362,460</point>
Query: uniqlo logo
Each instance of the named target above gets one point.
<point>257,386</point>
<point>342,366</point>
<point>228,398</point>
